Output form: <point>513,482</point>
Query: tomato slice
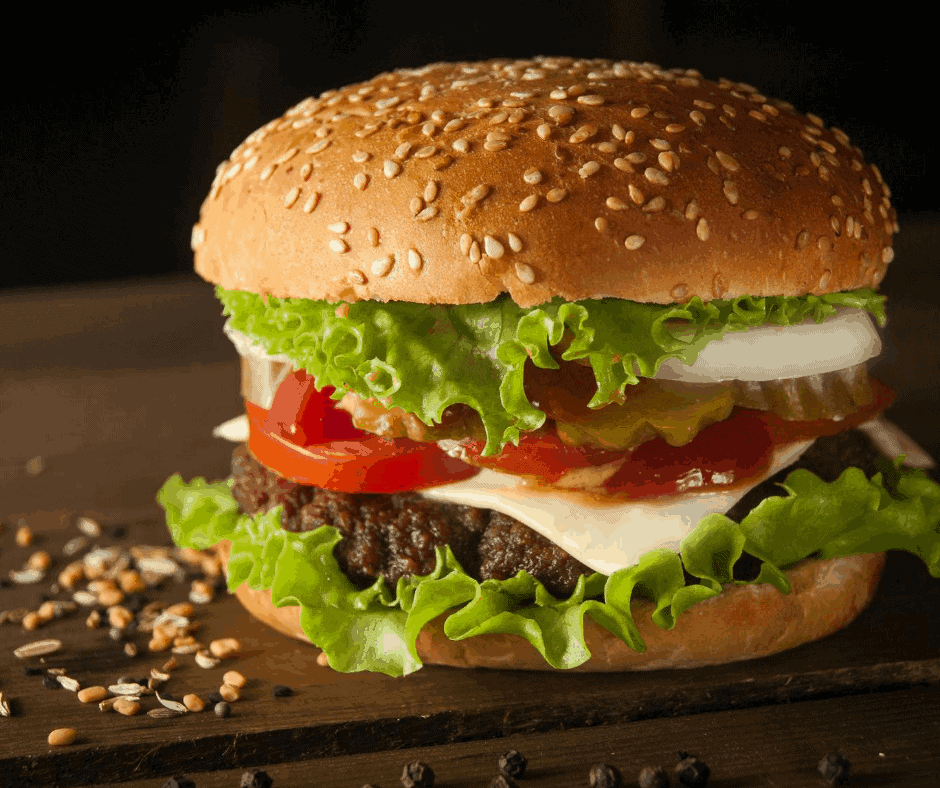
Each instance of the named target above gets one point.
<point>719,455</point>
<point>307,440</point>
<point>540,454</point>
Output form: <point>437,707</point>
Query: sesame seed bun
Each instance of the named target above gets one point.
<point>744,622</point>
<point>549,177</point>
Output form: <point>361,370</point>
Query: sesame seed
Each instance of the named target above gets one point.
<point>887,255</point>
<point>661,144</point>
<point>465,241</point>
<point>583,134</point>
<point>600,224</point>
<point>391,168</point>
<point>589,169</point>
<point>426,152</point>
<point>636,194</point>
<point>318,146</point>
<point>679,291</point>
<point>544,131</point>
<point>592,100</point>
<point>415,205</point>
<point>675,128</point>
<point>668,160</point>
<point>634,242</point>
<point>616,204</point>
<point>515,242</point>
<point>824,279</point>
<point>475,254</point>
<point>361,156</point>
<point>559,94</point>
<point>267,172</point>
<point>430,191</point>
<point>356,277</point>
<point>461,145</point>
<point>636,157</point>
<point>455,125</point>
<point>338,227</point>
<point>849,225</point>
<point>655,205</point>
<point>402,151</point>
<point>528,203</point>
<point>339,245</point>
<point>306,171</point>
<point>605,147</point>
<point>428,213</point>
<point>493,247</point>
<point>360,180</point>
<point>697,117</point>
<point>703,104</point>
<point>835,224</point>
<point>291,197</point>
<point>815,119</point>
<point>311,202</point>
<point>415,260</point>
<point>525,273</point>
<point>727,161</point>
<point>824,243</point>
<point>656,176</point>
<point>639,112</point>
<point>476,194</point>
<point>618,131</point>
<point>556,195</point>
<point>731,192</point>
<point>729,110</point>
<point>561,114</point>
<point>623,164</point>
<point>750,213</point>
<point>383,265</point>
<point>701,230</point>
<point>691,210</point>
<point>286,156</point>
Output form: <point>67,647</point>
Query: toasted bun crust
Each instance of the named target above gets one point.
<point>549,177</point>
<point>744,622</point>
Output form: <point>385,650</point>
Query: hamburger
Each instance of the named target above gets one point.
<point>554,363</point>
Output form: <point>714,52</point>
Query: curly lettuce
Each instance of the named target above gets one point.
<point>376,628</point>
<point>425,358</point>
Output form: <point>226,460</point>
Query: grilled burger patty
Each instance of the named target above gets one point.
<point>394,535</point>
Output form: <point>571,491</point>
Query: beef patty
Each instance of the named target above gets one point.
<point>394,535</point>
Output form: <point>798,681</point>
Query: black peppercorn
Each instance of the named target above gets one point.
<point>180,781</point>
<point>281,691</point>
<point>835,769</point>
<point>513,764</point>
<point>222,709</point>
<point>654,777</point>
<point>502,781</point>
<point>417,775</point>
<point>256,779</point>
<point>605,776</point>
<point>692,772</point>
<point>213,697</point>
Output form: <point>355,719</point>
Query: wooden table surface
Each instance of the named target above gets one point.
<point>116,386</point>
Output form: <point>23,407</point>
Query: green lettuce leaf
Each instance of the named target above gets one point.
<point>375,628</point>
<point>424,358</point>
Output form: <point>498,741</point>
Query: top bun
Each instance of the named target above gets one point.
<point>457,182</point>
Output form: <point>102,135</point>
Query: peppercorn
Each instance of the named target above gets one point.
<point>256,779</point>
<point>180,781</point>
<point>653,777</point>
<point>222,709</point>
<point>604,776</point>
<point>692,772</point>
<point>513,764</point>
<point>417,775</point>
<point>502,781</point>
<point>214,697</point>
<point>281,691</point>
<point>835,769</point>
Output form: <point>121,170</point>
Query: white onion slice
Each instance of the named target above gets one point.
<point>775,352</point>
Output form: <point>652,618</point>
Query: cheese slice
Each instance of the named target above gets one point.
<point>605,536</point>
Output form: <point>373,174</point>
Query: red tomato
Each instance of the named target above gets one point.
<point>307,440</point>
<point>541,454</point>
<point>720,454</point>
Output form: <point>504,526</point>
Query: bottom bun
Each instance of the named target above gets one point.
<point>744,622</point>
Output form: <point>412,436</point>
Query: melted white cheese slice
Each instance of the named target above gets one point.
<point>604,536</point>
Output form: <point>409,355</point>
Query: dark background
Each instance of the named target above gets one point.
<point>113,126</point>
